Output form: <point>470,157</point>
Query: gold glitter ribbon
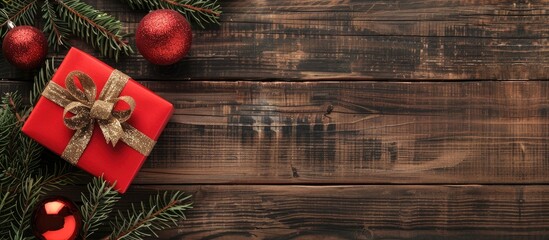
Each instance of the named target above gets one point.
<point>87,111</point>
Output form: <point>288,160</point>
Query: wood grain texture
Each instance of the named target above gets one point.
<point>360,212</point>
<point>346,39</point>
<point>377,132</point>
<point>14,86</point>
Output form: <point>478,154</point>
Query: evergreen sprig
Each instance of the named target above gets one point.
<point>30,194</point>
<point>198,11</point>
<point>7,202</point>
<point>58,31</point>
<point>97,206</point>
<point>14,165</point>
<point>97,28</point>
<point>21,12</point>
<point>41,79</point>
<point>60,174</point>
<point>161,212</point>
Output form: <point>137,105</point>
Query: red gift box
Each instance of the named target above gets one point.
<point>117,164</point>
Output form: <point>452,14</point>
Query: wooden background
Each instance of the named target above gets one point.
<point>439,127</point>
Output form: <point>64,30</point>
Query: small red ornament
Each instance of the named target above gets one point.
<point>163,37</point>
<point>56,218</point>
<point>25,47</point>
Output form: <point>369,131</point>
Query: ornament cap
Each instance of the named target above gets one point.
<point>11,25</point>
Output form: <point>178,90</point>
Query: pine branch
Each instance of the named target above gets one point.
<point>20,12</point>
<point>19,155</point>
<point>28,152</point>
<point>197,11</point>
<point>11,167</point>
<point>12,103</point>
<point>8,122</point>
<point>97,206</point>
<point>61,174</point>
<point>97,28</point>
<point>30,195</point>
<point>162,211</point>
<point>7,203</point>
<point>41,79</point>
<point>56,30</point>
<point>18,159</point>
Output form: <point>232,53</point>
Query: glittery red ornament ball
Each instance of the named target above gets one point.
<point>25,47</point>
<point>56,218</point>
<point>163,37</point>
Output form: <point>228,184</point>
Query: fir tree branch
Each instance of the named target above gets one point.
<point>20,12</point>
<point>19,155</point>
<point>97,28</point>
<point>30,195</point>
<point>13,108</point>
<point>9,144</point>
<point>41,79</point>
<point>7,123</point>
<point>162,211</point>
<point>194,8</point>
<point>198,11</point>
<point>28,152</point>
<point>57,30</point>
<point>97,206</point>
<point>6,210</point>
<point>62,174</point>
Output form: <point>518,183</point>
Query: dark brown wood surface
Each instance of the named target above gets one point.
<point>345,39</point>
<point>499,212</point>
<point>366,212</point>
<point>384,147</point>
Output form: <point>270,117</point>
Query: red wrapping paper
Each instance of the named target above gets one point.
<point>117,164</point>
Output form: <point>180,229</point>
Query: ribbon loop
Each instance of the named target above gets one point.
<point>81,116</point>
<point>90,91</point>
<point>124,115</point>
<point>88,110</point>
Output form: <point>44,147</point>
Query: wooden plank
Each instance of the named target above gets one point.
<point>14,86</point>
<point>377,132</point>
<point>310,39</point>
<point>359,212</point>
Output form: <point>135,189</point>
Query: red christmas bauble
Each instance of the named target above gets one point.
<point>56,218</point>
<point>163,37</point>
<point>25,47</point>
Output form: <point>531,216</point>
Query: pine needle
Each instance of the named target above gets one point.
<point>97,206</point>
<point>30,195</point>
<point>7,203</point>
<point>97,28</point>
<point>161,212</point>
<point>56,30</point>
<point>200,12</point>
<point>41,79</point>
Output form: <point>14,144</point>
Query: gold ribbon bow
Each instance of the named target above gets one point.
<point>88,110</point>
